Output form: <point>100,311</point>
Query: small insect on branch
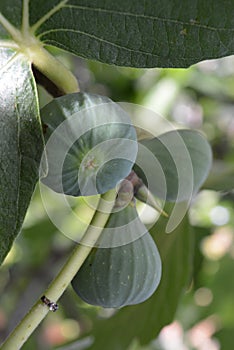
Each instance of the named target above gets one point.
<point>51,304</point>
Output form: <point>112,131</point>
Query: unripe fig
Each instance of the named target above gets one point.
<point>91,144</point>
<point>122,275</point>
<point>182,161</point>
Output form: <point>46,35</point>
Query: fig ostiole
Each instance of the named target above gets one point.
<point>91,144</point>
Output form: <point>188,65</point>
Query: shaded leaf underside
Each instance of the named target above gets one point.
<point>140,33</point>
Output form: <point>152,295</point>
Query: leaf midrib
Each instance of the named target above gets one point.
<point>25,37</point>
<point>24,42</point>
<point>27,31</point>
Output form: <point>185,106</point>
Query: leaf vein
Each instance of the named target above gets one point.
<point>54,42</point>
<point>19,166</point>
<point>13,31</point>
<point>25,17</point>
<point>91,36</point>
<point>49,14</point>
<point>191,23</point>
<point>8,44</point>
<point>9,62</point>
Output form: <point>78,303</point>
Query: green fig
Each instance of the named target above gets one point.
<point>121,275</point>
<point>180,160</point>
<point>91,144</point>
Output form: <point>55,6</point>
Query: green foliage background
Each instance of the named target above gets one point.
<point>200,97</point>
<point>197,259</point>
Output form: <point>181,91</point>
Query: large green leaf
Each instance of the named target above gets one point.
<point>130,33</point>
<point>144,321</point>
<point>20,144</point>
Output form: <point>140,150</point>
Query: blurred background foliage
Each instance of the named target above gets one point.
<point>201,97</point>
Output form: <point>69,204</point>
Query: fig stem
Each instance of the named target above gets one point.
<point>144,195</point>
<point>33,49</point>
<point>37,313</point>
<point>52,68</point>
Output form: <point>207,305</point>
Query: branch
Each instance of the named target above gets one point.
<point>30,322</point>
